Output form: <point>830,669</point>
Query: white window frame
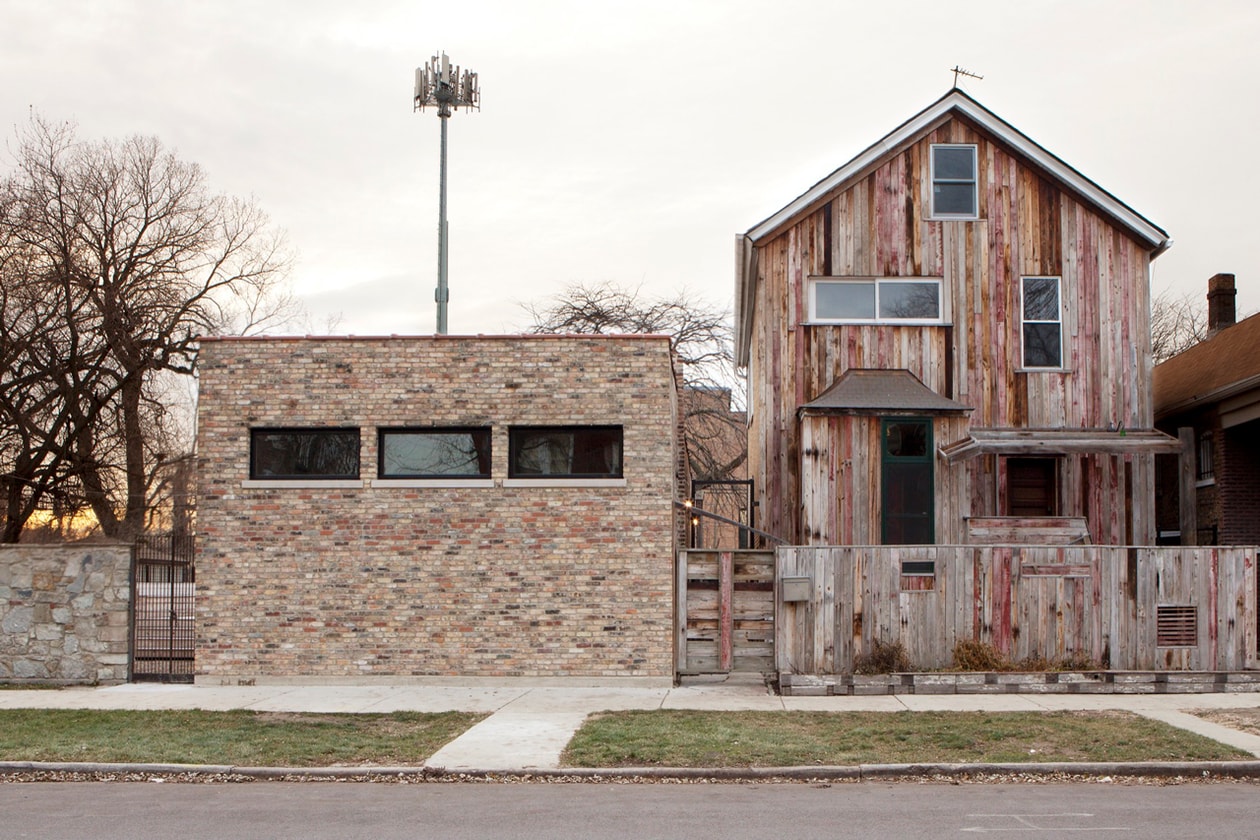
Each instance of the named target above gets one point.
<point>815,282</point>
<point>1023,321</point>
<point>974,181</point>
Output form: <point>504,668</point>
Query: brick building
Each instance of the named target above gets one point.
<point>1213,388</point>
<point>436,506</point>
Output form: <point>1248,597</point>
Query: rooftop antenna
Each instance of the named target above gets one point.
<point>440,84</point>
<point>958,71</point>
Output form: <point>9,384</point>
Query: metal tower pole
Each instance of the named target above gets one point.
<point>446,87</point>
<point>442,294</point>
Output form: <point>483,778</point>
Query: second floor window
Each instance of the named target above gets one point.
<point>1042,316</point>
<point>875,300</point>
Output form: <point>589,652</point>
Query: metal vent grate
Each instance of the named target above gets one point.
<point>1176,626</point>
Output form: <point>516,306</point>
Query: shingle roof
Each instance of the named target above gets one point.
<point>861,389</point>
<point>1211,370</point>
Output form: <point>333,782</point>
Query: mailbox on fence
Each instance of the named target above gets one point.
<point>795,588</point>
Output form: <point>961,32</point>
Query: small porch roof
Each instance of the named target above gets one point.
<point>1059,442</point>
<point>866,391</point>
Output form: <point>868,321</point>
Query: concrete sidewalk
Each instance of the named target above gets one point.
<point>529,725</point>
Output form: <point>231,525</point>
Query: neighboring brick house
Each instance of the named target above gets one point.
<point>436,506</point>
<point>1213,388</point>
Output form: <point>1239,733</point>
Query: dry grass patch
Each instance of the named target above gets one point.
<point>779,739</point>
<point>264,739</point>
<point>1244,720</point>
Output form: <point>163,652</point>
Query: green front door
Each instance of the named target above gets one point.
<point>906,479</point>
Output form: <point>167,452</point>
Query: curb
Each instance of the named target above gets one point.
<point>860,772</point>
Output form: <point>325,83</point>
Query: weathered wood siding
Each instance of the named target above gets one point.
<point>725,612</point>
<point>878,226</point>
<point>840,481</point>
<point>1028,601</point>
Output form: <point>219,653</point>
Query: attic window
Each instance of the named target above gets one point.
<point>954,182</point>
<point>875,300</point>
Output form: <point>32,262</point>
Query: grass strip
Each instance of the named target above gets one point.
<point>263,739</point>
<point>684,738</point>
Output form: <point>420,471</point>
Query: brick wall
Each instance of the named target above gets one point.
<point>64,613</point>
<point>1238,474</point>
<point>374,579</point>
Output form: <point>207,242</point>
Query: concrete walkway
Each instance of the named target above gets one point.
<point>528,726</point>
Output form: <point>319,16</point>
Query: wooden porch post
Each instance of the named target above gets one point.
<point>1188,513</point>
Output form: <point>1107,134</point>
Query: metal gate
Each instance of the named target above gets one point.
<point>163,593</point>
<point>729,519</point>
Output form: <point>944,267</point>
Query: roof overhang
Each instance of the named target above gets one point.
<point>867,391</point>
<point>1059,442</point>
<point>958,102</point>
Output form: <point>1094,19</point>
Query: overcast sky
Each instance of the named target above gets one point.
<point>629,142</point>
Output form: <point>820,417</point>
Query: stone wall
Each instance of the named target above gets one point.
<point>64,613</point>
<point>378,577</point>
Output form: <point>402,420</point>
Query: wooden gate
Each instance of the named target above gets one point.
<point>725,611</point>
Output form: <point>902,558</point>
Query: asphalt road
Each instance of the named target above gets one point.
<point>350,811</point>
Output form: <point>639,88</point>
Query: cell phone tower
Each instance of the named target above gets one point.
<point>440,84</point>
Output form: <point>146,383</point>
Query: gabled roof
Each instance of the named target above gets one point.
<point>861,390</point>
<point>1225,365</point>
<point>954,102</point>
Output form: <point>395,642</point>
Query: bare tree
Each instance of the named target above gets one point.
<point>1177,323</point>
<point>114,258</point>
<point>701,336</point>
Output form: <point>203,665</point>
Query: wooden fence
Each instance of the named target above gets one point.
<point>1167,608</point>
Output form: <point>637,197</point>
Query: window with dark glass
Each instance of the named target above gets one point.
<point>564,452</point>
<point>434,453</point>
<point>1205,466</point>
<point>304,454</point>
<point>1043,323</point>
<point>954,181</point>
<point>906,476</point>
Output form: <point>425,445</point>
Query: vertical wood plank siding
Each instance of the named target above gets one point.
<point>878,225</point>
<point>1027,601</point>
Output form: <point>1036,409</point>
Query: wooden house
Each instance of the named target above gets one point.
<point>947,341</point>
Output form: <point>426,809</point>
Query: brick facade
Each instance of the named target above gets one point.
<point>378,578</point>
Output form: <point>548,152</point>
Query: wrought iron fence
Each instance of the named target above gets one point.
<point>163,628</point>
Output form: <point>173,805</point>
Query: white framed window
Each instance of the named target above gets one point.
<point>954,193</point>
<point>1041,311</point>
<point>875,300</point>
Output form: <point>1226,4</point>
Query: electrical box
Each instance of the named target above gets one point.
<point>795,588</point>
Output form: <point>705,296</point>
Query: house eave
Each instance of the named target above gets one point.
<point>1155,238</point>
<point>1049,442</point>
